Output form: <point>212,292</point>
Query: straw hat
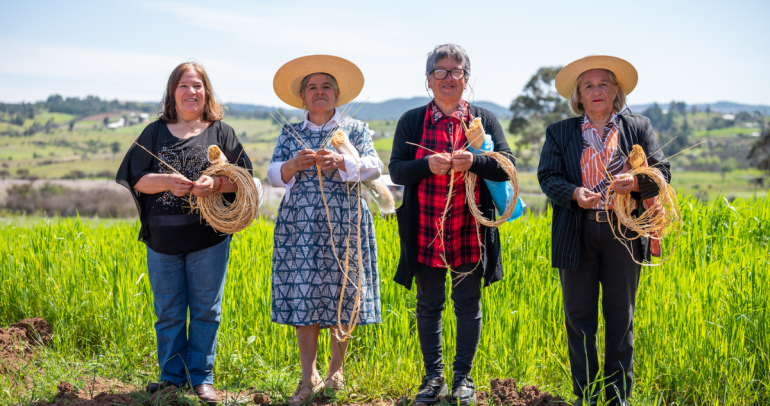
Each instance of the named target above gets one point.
<point>289,77</point>
<point>624,72</point>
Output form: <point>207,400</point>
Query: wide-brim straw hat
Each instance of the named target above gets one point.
<point>626,74</point>
<point>289,77</point>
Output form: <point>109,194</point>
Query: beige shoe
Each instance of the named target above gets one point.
<point>306,389</point>
<point>334,384</point>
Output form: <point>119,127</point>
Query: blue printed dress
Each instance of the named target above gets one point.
<point>307,280</point>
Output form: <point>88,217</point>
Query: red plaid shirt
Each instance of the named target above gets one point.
<point>445,134</point>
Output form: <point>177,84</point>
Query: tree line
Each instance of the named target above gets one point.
<point>16,113</point>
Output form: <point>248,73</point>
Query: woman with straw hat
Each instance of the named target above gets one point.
<point>429,244</point>
<point>310,264</point>
<point>186,257</point>
<point>582,157</point>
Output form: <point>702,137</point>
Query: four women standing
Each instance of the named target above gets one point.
<point>187,260</point>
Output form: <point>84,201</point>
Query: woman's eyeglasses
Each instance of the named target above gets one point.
<point>457,74</point>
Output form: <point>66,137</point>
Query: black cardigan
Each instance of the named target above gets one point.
<point>406,170</point>
<point>559,174</point>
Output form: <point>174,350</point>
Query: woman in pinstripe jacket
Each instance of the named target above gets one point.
<point>577,155</point>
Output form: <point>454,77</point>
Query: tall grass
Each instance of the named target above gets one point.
<point>702,328</point>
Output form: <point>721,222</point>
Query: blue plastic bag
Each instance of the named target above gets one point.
<point>501,191</point>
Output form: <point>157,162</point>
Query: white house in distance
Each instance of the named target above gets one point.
<point>117,124</point>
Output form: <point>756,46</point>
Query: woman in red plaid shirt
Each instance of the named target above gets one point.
<point>429,244</point>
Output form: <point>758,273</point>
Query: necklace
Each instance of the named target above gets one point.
<point>192,128</point>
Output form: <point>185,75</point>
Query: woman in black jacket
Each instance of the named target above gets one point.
<point>579,156</point>
<point>466,247</point>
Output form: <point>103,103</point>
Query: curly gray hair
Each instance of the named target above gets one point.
<point>453,51</point>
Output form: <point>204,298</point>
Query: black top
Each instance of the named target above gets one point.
<point>406,170</point>
<point>168,226</point>
<point>559,174</point>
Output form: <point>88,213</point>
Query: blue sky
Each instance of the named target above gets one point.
<point>696,51</point>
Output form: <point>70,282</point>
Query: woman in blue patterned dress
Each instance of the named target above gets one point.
<point>307,277</point>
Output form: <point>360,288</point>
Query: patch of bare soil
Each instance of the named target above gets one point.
<point>106,392</point>
<point>18,340</point>
<point>69,397</point>
<point>505,392</point>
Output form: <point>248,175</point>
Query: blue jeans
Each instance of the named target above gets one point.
<point>193,281</point>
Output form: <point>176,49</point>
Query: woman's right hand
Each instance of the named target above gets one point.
<point>178,184</point>
<point>586,198</point>
<point>440,163</point>
<point>304,159</point>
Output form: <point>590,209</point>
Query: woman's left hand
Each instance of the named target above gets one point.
<point>462,161</point>
<point>204,186</point>
<point>624,184</point>
<point>328,160</point>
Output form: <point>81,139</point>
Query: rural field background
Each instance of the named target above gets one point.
<point>702,333</point>
<point>53,146</point>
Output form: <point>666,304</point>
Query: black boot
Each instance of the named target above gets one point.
<point>463,389</point>
<point>431,389</point>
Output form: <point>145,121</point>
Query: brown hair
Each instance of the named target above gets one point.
<point>212,111</point>
<point>577,106</point>
<point>306,80</point>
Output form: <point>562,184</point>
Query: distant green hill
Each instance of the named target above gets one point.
<point>387,110</point>
<point>718,107</point>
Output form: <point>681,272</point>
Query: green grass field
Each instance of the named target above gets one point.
<point>702,329</point>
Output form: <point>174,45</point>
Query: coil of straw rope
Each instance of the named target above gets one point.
<point>221,215</point>
<point>661,219</point>
<point>475,135</point>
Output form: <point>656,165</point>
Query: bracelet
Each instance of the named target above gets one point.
<point>220,183</point>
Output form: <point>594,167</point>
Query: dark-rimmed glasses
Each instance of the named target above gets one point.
<point>457,74</point>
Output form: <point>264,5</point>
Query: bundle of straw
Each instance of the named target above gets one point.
<point>474,133</point>
<point>662,216</point>
<point>221,215</point>
<point>510,207</point>
<point>378,189</point>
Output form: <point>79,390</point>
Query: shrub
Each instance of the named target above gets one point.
<point>57,200</point>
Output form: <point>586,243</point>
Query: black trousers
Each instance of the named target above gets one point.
<point>431,295</point>
<point>603,261</point>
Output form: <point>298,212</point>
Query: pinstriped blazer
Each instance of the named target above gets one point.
<point>559,174</point>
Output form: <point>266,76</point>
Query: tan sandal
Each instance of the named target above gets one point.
<point>334,384</point>
<point>306,389</point>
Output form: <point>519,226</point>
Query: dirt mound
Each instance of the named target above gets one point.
<point>37,330</point>
<point>16,342</point>
<point>262,399</point>
<point>505,392</point>
<point>67,396</point>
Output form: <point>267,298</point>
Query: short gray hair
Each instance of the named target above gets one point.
<point>577,107</point>
<point>453,51</point>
